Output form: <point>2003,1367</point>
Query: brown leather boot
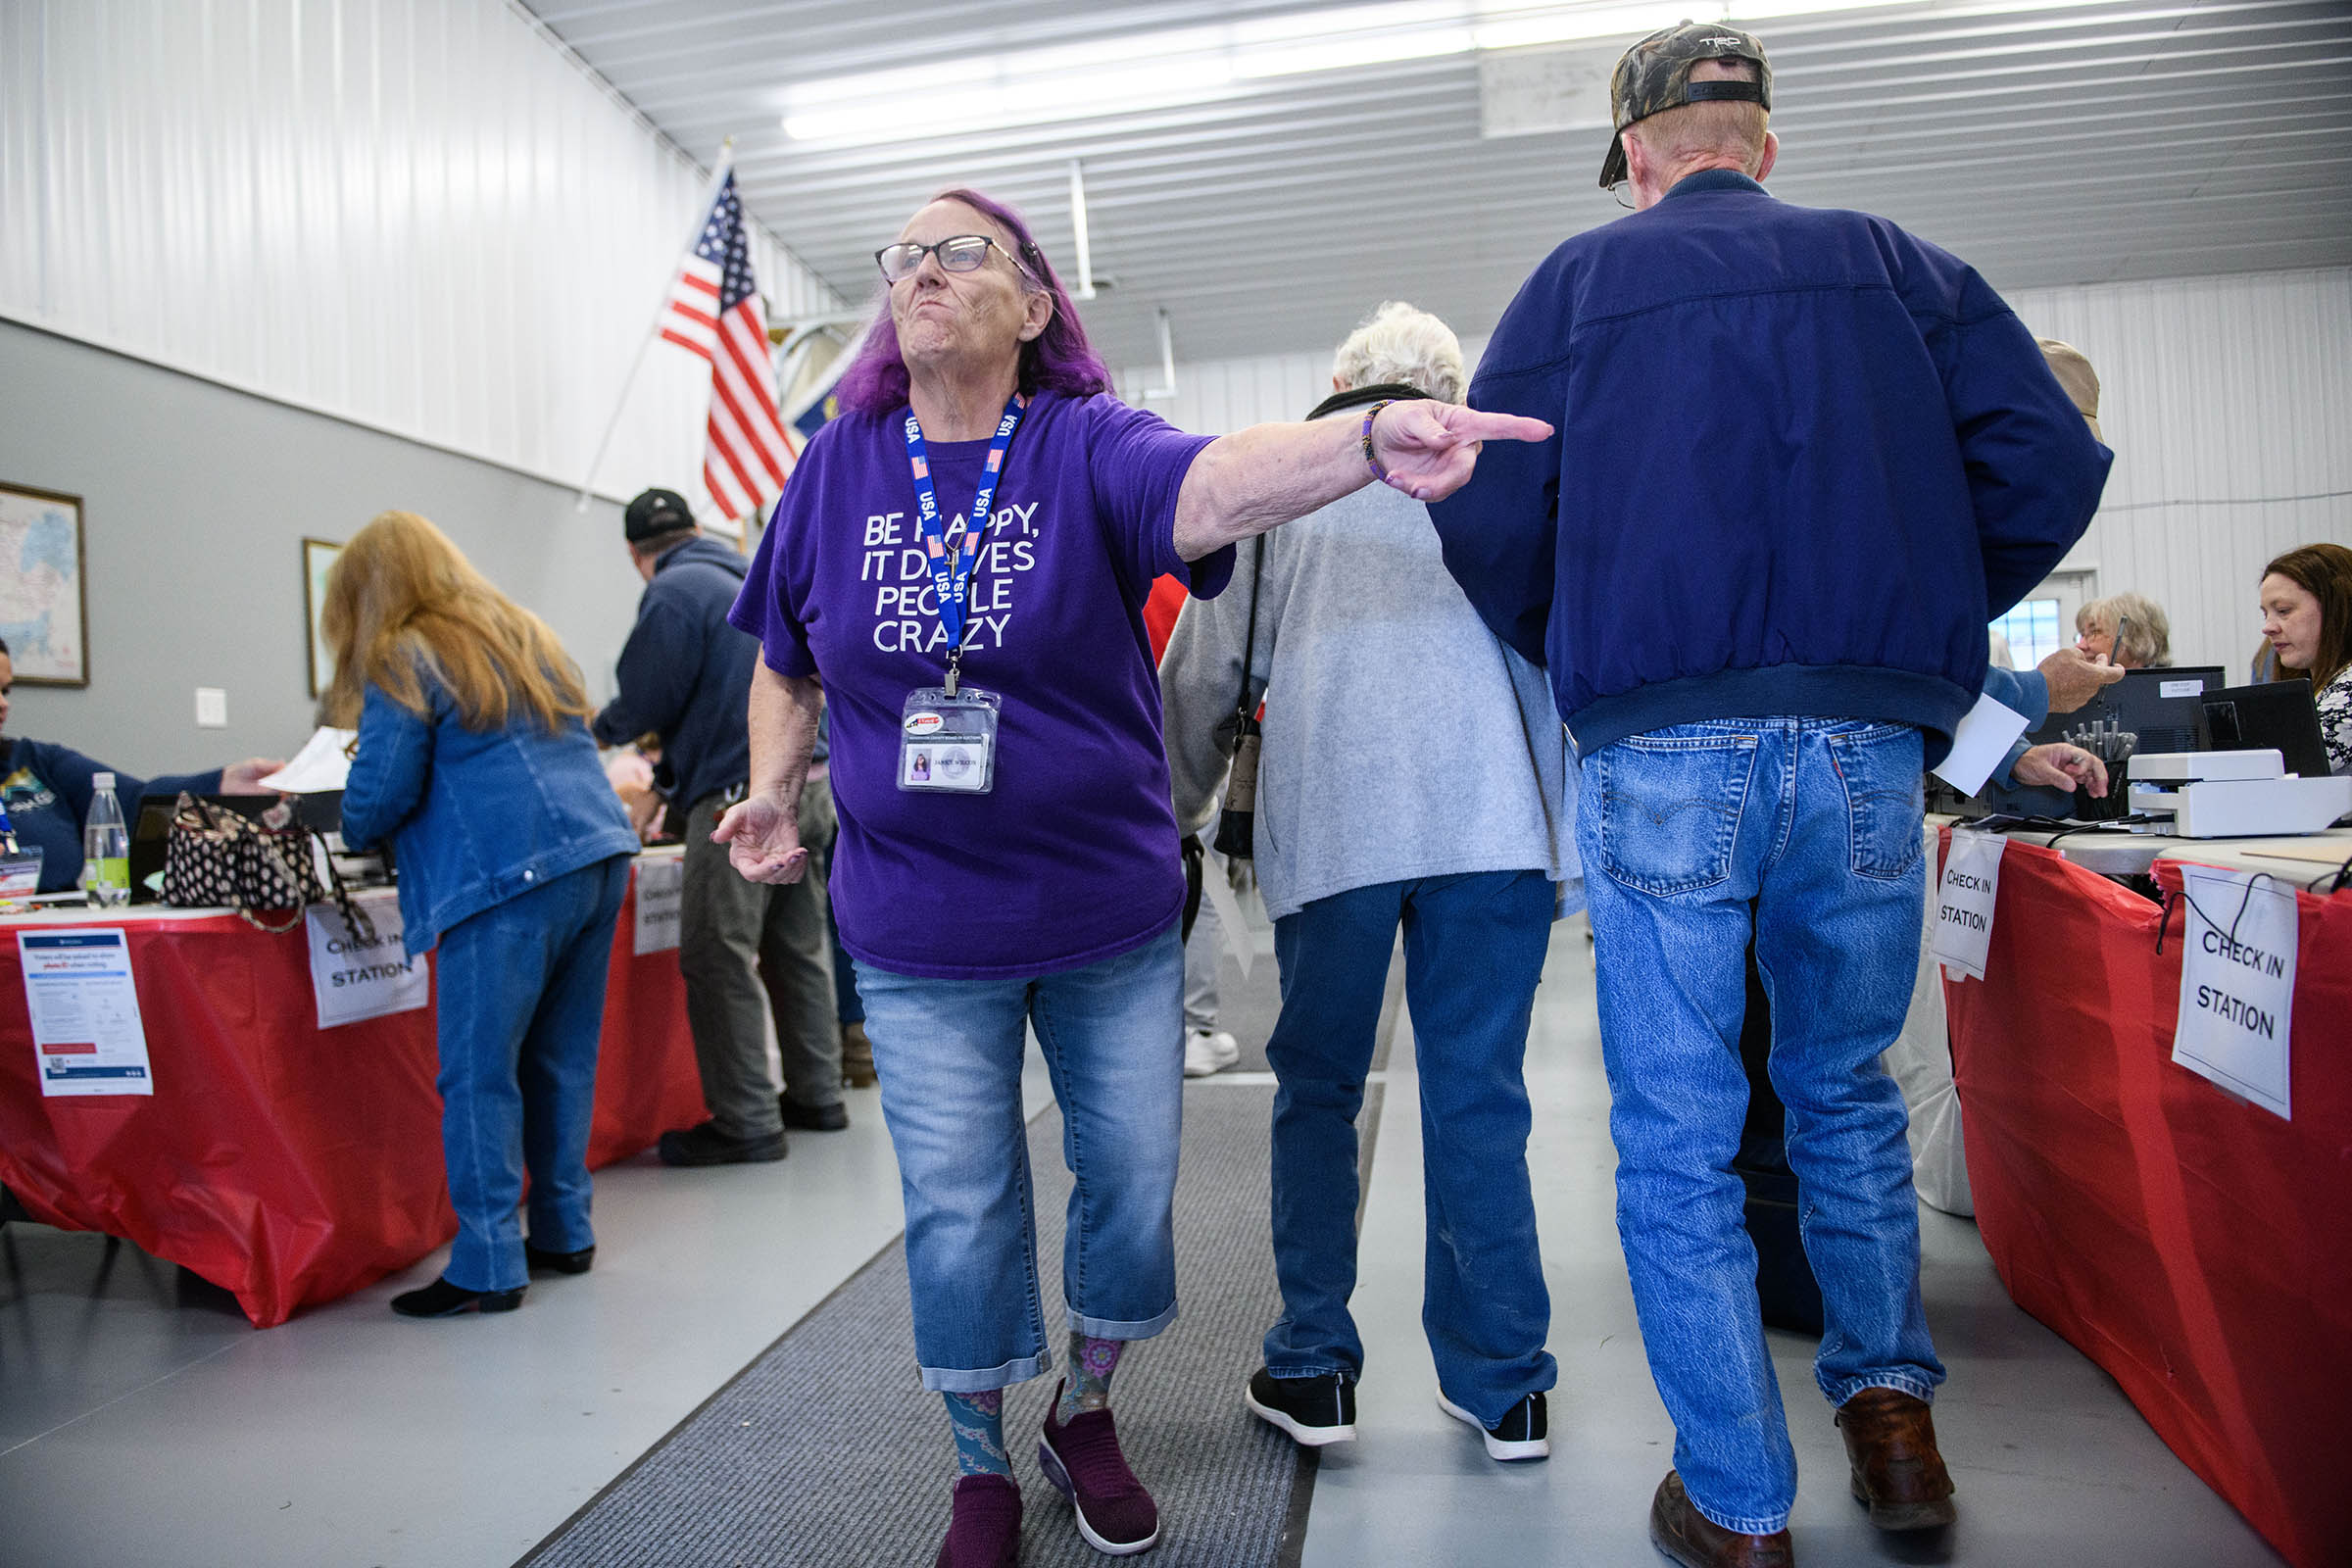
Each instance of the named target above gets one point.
<point>1897,1474</point>
<point>856,1058</point>
<point>1679,1529</point>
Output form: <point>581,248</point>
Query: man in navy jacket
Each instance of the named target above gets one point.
<point>685,675</point>
<point>1802,459</point>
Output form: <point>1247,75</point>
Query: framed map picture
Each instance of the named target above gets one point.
<point>44,607</point>
<point>317,558</point>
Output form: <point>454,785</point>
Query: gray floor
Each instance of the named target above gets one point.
<point>142,1423</point>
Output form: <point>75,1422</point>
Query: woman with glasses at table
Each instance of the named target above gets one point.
<point>959,568</point>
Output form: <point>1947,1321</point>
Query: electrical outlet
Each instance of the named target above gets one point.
<point>212,708</point>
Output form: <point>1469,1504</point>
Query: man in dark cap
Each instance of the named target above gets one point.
<point>686,675</point>
<point>1802,459</point>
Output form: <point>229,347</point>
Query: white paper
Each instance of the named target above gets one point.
<point>1965,897</point>
<point>1983,738</point>
<point>1229,911</point>
<point>353,978</point>
<point>87,1034</point>
<point>2237,983</point>
<point>319,767</point>
<point>661,884</point>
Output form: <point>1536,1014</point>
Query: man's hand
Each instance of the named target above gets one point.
<point>1430,447</point>
<point>762,835</point>
<point>2076,677</point>
<point>245,779</point>
<point>2062,768</point>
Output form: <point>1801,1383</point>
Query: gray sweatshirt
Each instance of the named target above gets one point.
<point>1403,740</point>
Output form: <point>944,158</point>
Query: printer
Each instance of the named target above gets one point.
<point>2215,795</point>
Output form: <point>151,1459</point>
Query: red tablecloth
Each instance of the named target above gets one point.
<point>2197,1248</point>
<point>287,1163</point>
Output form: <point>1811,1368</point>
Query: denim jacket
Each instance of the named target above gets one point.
<point>475,816</point>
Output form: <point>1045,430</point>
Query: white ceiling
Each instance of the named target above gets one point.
<point>2091,143</point>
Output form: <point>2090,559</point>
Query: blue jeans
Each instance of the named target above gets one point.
<point>1818,822</point>
<point>521,1002</point>
<point>1474,949</point>
<point>948,1058</point>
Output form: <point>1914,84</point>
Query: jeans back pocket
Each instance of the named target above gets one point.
<point>1883,769</point>
<point>1670,804</point>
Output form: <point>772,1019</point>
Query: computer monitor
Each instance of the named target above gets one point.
<point>2279,715</point>
<point>2164,707</point>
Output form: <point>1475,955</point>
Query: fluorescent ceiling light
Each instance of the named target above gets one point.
<point>1188,66</point>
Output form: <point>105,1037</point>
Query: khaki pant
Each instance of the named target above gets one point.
<point>738,939</point>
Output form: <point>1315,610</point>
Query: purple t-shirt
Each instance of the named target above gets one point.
<point>1073,857</point>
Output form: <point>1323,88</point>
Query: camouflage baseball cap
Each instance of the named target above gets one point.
<point>1654,75</point>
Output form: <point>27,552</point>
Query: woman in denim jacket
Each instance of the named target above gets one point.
<point>473,760</point>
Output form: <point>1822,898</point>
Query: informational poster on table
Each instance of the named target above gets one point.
<point>365,973</point>
<point>87,1036</point>
<point>661,884</point>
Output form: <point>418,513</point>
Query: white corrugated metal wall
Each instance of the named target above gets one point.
<point>2228,401</point>
<point>417,215</point>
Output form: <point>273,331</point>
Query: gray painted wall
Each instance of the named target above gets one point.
<point>195,501</point>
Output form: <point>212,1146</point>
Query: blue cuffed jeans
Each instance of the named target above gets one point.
<point>1474,949</point>
<point>948,1058</point>
<point>521,1007</point>
<point>1817,822</point>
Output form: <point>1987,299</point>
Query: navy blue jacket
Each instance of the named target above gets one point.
<point>1802,459</point>
<point>47,788</point>
<point>685,675</point>
<point>476,816</point>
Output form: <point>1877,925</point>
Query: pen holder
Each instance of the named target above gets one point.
<point>2116,803</point>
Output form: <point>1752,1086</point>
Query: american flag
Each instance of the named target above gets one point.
<point>714,311</point>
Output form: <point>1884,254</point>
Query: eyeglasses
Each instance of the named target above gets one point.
<point>957,253</point>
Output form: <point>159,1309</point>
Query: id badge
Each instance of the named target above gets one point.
<point>949,743</point>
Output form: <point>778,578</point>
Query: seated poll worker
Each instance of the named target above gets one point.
<point>2307,618</point>
<point>2127,630</point>
<point>45,791</point>
<point>473,760</point>
<point>1457,836</point>
<point>957,570</point>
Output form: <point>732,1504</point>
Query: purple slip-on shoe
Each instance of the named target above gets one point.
<point>986,1530</point>
<point>1114,1513</point>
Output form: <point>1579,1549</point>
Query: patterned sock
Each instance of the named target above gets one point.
<point>1092,1362</point>
<point>979,1423</point>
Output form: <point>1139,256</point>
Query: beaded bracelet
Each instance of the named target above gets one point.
<point>1371,413</point>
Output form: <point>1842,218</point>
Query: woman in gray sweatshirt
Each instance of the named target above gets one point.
<point>1413,774</point>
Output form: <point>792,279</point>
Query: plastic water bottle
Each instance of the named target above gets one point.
<point>104,847</point>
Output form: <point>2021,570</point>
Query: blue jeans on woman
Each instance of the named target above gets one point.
<point>1474,949</point>
<point>1817,821</point>
<point>947,1054</point>
<point>521,1002</point>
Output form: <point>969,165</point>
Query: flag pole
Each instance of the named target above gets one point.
<point>726,161</point>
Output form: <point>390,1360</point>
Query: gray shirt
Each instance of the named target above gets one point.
<point>1403,740</point>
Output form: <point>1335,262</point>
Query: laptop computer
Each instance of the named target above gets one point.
<point>2279,715</point>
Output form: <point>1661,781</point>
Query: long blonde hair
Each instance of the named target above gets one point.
<point>402,601</point>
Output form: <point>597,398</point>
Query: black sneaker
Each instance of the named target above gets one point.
<point>830,1118</point>
<point>1313,1410</point>
<point>1519,1435</point>
<point>705,1145</point>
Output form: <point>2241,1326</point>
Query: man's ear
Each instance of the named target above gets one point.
<point>1772,154</point>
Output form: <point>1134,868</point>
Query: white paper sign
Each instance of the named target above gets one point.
<point>87,1032</point>
<point>1964,899</point>
<point>1222,898</point>
<point>1982,739</point>
<point>2237,983</point>
<point>354,978</point>
<point>661,884</point>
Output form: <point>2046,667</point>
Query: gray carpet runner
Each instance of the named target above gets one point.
<point>824,1453</point>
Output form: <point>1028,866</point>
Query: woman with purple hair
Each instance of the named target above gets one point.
<point>958,568</point>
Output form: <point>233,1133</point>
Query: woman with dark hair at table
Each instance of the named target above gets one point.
<point>45,791</point>
<point>1028,875</point>
<point>2307,617</point>
<point>473,759</point>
